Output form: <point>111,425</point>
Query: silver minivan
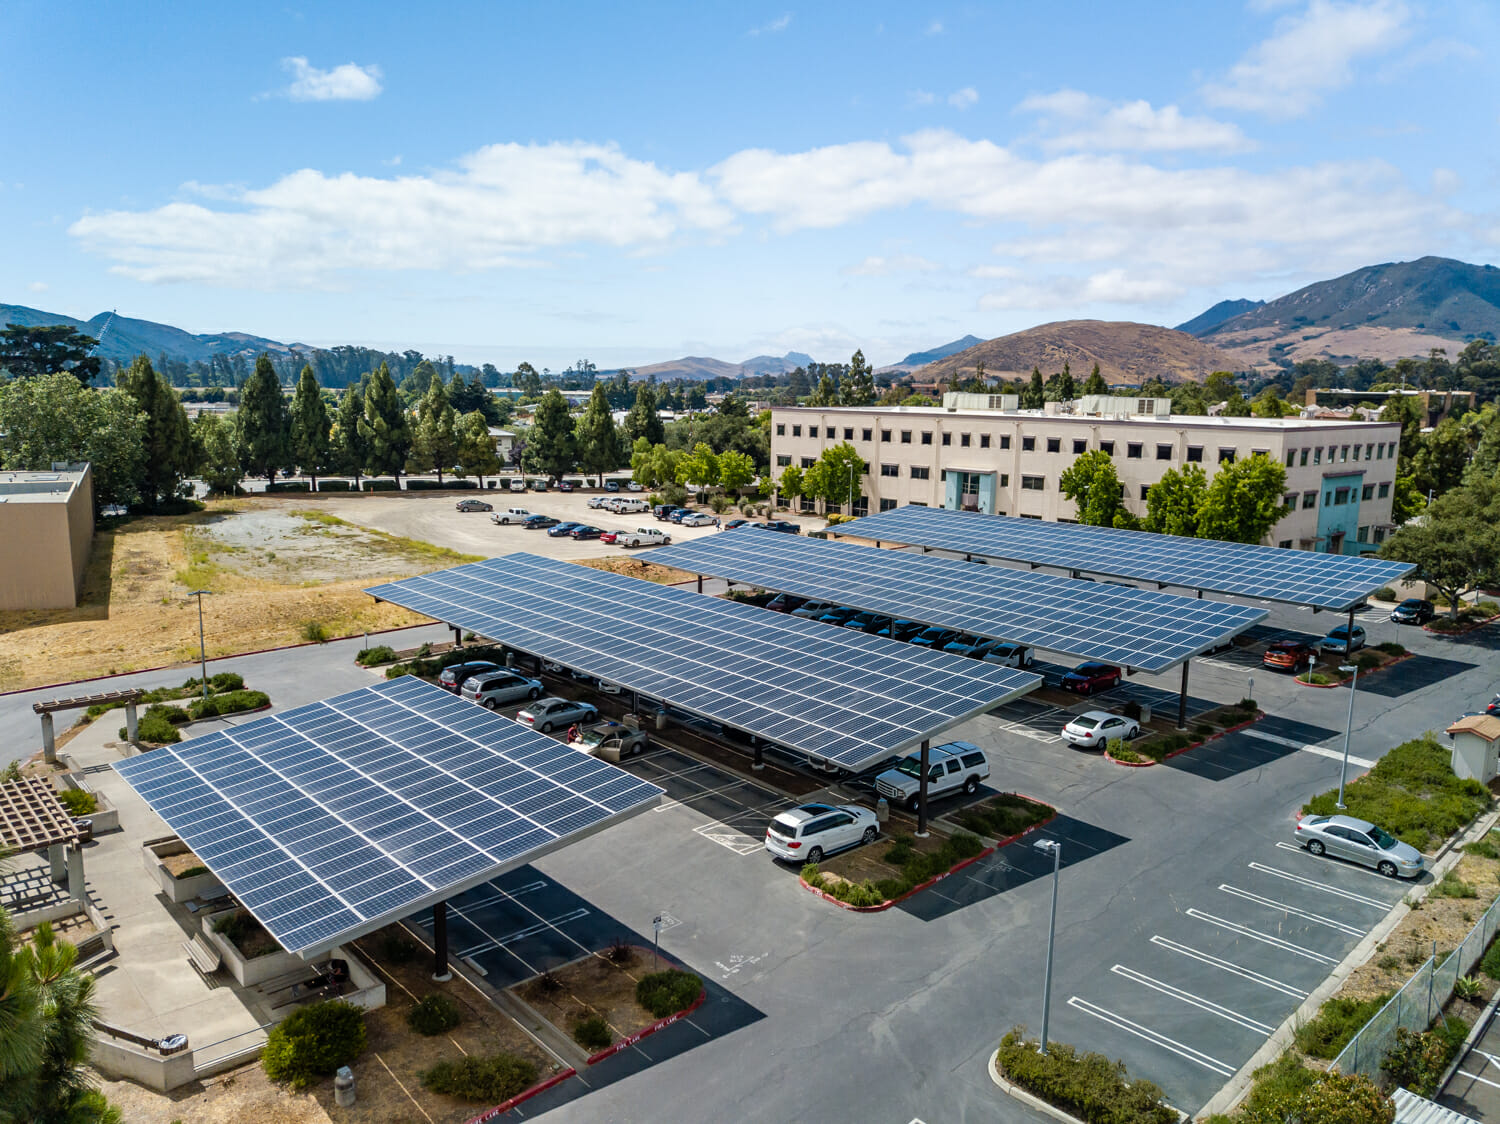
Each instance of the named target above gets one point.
<point>496,688</point>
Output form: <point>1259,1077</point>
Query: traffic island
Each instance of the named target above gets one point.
<point>1161,741</point>
<point>1368,661</point>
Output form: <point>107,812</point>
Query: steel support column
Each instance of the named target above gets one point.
<point>922,796</point>
<point>440,970</point>
<point>1182,698</point>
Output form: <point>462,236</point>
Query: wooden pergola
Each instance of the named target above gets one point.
<point>33,819</point>
<point>130,697</point>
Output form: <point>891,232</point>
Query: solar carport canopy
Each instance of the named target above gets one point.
<point>332,820</point>
<point>831,694</point>
<point>1297,577</point>
<point>1136,628</point>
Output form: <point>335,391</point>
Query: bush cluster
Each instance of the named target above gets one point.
<point>1005,815</point>
<point>1418,1060</point>
<point>1368,661</point>
<point>313,1042</point>
<point>434,1014</point>
<point>592,1033</point>
<point>445,486</point>
<point>78,802</point>
<point>1288,1090</point>
<point>157,726</point>
<point>916,867</point>
<point>223,681</point>
<point>333,485</point>
<point>1121,751</point>
<point>230,702</point>
<point>1391,648</point>
<point>430,666</point>
<point>288,486</point>
<point>314,632</point>
<point>1412,792</point>
<point>381,486</point>
<point>1385,593</point>
<point>851,893</point>
<point>666,993</point>
<point>492,1079</point>
<point>1336,1023</point>
<point>1090,1086</point>
<point>369,657</point>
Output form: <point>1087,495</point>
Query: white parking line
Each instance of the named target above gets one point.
<point>522,934</point>
<point>1188,997</point>
<point>1313,884</point>
<point>498,896</point>
<point>1343,866</point>
<point>1170,1044</point>
<point>686,801</point>
<point>1274,942</point>
<point>1320,750</point>
<point>1476,1077</point>
<point>735,841</point>
<point>1225,965</point>
<point>1290,911</point>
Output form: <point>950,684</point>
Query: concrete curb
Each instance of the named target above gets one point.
<point>525,1095</point>
<point>1297,679</point>
<point>1235,1089</point>
<point>1236,728</point>
<point>1461,631</point>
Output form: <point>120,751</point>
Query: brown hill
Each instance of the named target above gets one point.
<point>1126,353</point>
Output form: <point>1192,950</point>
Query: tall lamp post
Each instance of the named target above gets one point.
<point>1046,846</point>
<point>1348,726</point>
<point>202,651</point>
<point>851,488</point>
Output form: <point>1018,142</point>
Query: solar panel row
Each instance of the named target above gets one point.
<point>1139,629</point>
<point>1299,577</point>
<point>837,696</point>
<point>335,818</point>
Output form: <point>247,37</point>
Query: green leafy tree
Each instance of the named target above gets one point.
<point>859,384</point>
<point>350,450</point>
<point>598,439</point>
<point>1455,546</point>
<point>1244,500</point>
<point>825,394</point>
<point>385,429</point>
<point>551,448</point>
<point>414,386</point>
<point>476,448</point>
<point>219,465</point>
<point>47,349</point>
<point>789,487</point>
<point>1219,386</point>
<point>1235,405</point>
<point>265,429</point>
<point>311,426</point>
<point>435,440</point>
<point>528,380</point>
<point>1093,485</point>
<point>1406,501</point>
<point>1442,457</point>
<point>1067,389</point>
<point>837,478</point>
<point>652,466</point>
<point>1034,396</point>
<point>1408,412</point>
<point>735,471</point>
<point>1268,404</point>
<point>54,418</point>
<point>700,468</point>
<point>1095,383</point>
<point>642,420</point>
<point>1189,400</point>
<point>170,456</point>
<point>1174,501</point>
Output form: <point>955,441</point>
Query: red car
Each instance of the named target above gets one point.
<point>608,536</point>
<point>1092,676</point>
<point>1289,655</point>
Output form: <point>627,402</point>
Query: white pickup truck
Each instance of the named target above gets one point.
<point>510,515</point>
<point>643,536</point>
<point>957,765</point>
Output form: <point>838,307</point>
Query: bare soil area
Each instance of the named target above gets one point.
<point>588,987</point>
<point>178,865</point>
<point>1252,346</point>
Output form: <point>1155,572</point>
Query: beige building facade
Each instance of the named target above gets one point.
<point>46,529</point>
<point>1340,475</point>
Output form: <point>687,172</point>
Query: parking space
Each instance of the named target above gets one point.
<point>1270,739</point>
<point>1474,1088</point>
<point>730,810</point>
<point>1190,1001</point>
<point>1041,717</point>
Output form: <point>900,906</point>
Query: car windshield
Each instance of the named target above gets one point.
<point>1085,723</point>
<point>593,737</point>
<point>911,766</point>
<point>1411,603</point>
<point>1382,839</point>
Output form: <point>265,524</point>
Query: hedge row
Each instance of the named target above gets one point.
<point>334,486</point>
<point>445,486</point>
<point>288,486</point>
<point>381,486</point>
<point>915,866</point>
<point>1090,1086</point>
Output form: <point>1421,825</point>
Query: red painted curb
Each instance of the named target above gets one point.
<point>1188,748</point>
<point>1373,671</point>
<point>645,1032</point>
<point>936,878</point>
<point>1146,764</point>
<point>505,1106</point>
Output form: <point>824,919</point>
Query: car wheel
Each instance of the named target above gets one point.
<point>815,855</point>
<point>1315,846</point>
<point>1387,868</point>
<point>869,835</point>
<point>638,748</point>
<point>971,786</point>
<point>667,541</point>
<point>491,704</point>
<point>534,693</point>
<point>911,803</point>
<point>546,727</point>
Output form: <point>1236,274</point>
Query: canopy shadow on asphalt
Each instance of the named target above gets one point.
<point>1412,675</point>
<point>1244,750</point>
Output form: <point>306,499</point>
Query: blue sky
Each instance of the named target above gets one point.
<point>633,183</point>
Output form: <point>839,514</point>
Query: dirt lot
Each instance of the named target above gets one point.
<point>592,986</point>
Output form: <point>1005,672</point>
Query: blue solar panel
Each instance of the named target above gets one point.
<point>832,694</point>
<point>1298,577</point>
<point>331,820</point>
<point>1135,628</point>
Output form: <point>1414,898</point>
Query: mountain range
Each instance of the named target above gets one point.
<point>123,338</point>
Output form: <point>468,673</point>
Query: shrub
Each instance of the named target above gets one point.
<point>1417,1061</point>
<point>1391,648</point>
<point>223,681</point>
<point>720,504</point>
<point>1090,1086</point>
<point>78,802</point>
<point>247,934</point>
<point>424,651</point>
<point>1385,593</point>
<point>1117,749</point>
<point>1005,815</point>
<point>1452,886</point>
<point>1288,1090</point>
<point>313,1042</point>
<point>620,952</point>
<point>666,993</point>
<point>333,485</point>
<point>381,486</point>
<point>592,1033</point>
<point>835,518</point>
<point>156,728</point>
<point>1468,987</point>
<point>1484,848</point>
<point>434,1014</point>
<point>397,947</point>
<point>1337,1021</point>
<point>369,657</point>
<point>1202,731</point>
<point>288,486</point>
<point>495,1078</point>
<point>204,707</point>
<point>899,851</point>
<point>314,632</point>
<point>1250,705</point>
<point>1367,661</point>
<point>230,702</point>
<point>191,871</point>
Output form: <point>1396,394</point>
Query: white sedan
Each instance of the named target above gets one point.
<point>1097,727</point>
<point>698,519</point>
<point>597,502</point>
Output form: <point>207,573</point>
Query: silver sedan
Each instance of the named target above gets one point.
<point>1359,841</point>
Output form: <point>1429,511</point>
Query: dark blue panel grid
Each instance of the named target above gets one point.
<point>833,694</point>
<point>335,818</point>
<point>1297,577</point>
<point>1137,628</point>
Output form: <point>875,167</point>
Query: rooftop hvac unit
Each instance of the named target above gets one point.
<point>957,400</point>
<point>1108,406</point>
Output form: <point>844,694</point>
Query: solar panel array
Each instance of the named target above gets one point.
<point>1299,577</point>
<point>1136,628</point>
<point>331,820</point>
<point>832,694</point>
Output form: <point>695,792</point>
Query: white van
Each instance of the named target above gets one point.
<point>517,484</point>
<point>627,505</point>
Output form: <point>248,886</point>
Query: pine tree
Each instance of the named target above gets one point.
<point>551,448</point>
<point>310,427</point>
<point>859,383</point>
<point>642,420</point>
<point>1034,397</point>
<point>170,455</point>
<point>350,449</point>
<point>385,428</point>
<point>264,429</point>
<point>476,448</point>
<point>1067,390</point>
<point>598,440</point>
<point>435,445</point>
<point>1095,383</point>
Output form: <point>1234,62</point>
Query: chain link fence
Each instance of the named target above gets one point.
<point>1419,1001</point>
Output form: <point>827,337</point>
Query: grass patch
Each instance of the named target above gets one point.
<point>1412,792</point>
<point>1452,886</point>
<point>491,1079</point>
<point>1288,1090</point>
<point>1005,815</point>
<point>1336,1023</point>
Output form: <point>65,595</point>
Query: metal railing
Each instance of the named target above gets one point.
<point>1419,1001</point>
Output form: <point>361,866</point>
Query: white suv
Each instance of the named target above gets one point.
<point>495,688</point>
<point>511,515</point>
<point>957,765</point>
<point>808,833</point>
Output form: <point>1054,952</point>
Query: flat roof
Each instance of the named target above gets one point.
<point>1211,421</point>
<point>1136,628</point>
<point>332,820</point>
<point>1268,573</point>
<point>834,695</point>
<point>52,486</point>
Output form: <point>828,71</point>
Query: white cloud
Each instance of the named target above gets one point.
<point>349,82</point>
<point>779,24</point>
<point>885,266</point>
<point>935,27</point>
<point>393,162</point>
<point>1080,121</point>
<point>38,286</point>
<point>1310,53</point>
<point>963,99</point>
<point>921,97</point>
<point>501,205</point>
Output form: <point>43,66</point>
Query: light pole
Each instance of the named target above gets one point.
<point>851,488</point>
<point>1055,849</point>
<point>202,652</point>
<point>1348,726</point>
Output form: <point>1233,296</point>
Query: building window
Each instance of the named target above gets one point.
<point>920,473</point>
<point>927,437</point>
<point>1302,461</point>
<point>1033,483</point>
<point>1291,456</point>
<point>947,439</point>
<point>1367,492</point>
<point>809,505</point>
<point>781,429</point>
<point>1164,453</point>
<point>887,505</point>
<point>1364,532</point>
<point>984,440</point>
<point>1385,490</point>
<point>885,435</point>
<point>963,440</point>
<point>1226,456</point>
<point>1080,447</point>
<point>866,434</point>
<point>829,432</point>
<point>848,433</point>
<point>1318,455</point>
<point>1390,450</point>
<point>783,461</point>
<point>1028,444</point>
<point>1340,496</point>
<point>1380,534</point>
<point>1145,490</point>
<point>1290,499</point>
<point>796,431</point>
<point>1133,450</point>
<point>1332,453</point>
<point>1344,454</point>
<point>1195,453</point>
<point>808,462</point>
<point>1107,448</point>
<point>1356,452</point>
<point>1054,444</point>
<point>1005,480</point>
<point>1379,453</point>
<point>890,470</point>
<point>1004,441</point>
<point>906,437</point>
<point>1285,544</point>
<point>1309,499</point>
